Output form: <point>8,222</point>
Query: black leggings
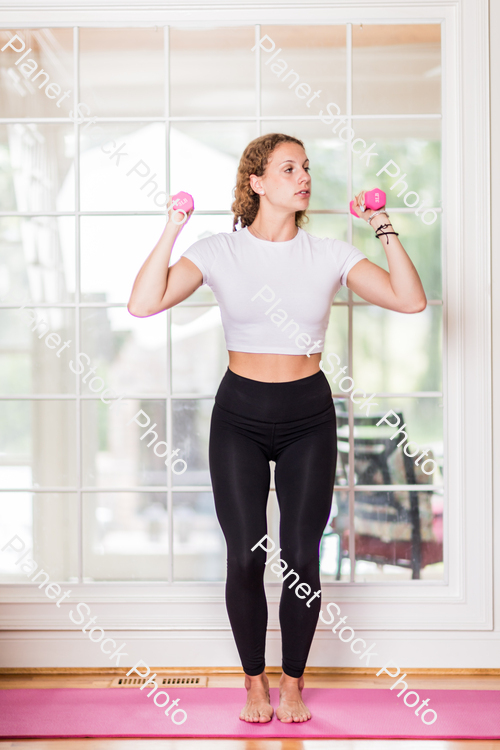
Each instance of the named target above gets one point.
<point>293,424</point>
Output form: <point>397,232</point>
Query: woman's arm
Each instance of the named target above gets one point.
<point>158,287</point>
<point>400,289</point>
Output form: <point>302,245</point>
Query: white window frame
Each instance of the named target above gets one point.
<point>464,601</point>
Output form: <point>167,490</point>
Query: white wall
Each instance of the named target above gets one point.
<point>495,249</point>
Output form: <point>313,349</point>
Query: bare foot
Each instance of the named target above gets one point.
<point>292,707</point>
<point>258,707</point>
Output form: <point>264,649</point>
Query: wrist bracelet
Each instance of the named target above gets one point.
<point>380,211</point>
<point>379,232</point>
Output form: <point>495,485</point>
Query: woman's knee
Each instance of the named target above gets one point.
<point>246,567</point>
<point>304,563</point>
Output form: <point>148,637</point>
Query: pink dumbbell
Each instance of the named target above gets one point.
<point>182,201</point>
<point>373,199</point>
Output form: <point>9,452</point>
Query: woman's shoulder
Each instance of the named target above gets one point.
<point>210,247</point>
<point>330,240</point>
<point>218,239</point>
<point>206,242</point>
<point>340,251</point>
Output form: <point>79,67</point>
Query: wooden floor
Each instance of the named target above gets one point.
<point>250,745</point>
<point>86,679</point>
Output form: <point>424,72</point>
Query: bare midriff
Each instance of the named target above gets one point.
<point>273,368</point>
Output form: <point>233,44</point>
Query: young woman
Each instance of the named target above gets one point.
<point>274,402</point>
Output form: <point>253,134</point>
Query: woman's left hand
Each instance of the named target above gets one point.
<point>358,201</point>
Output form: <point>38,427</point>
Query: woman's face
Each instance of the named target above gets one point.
<point>286,182</point>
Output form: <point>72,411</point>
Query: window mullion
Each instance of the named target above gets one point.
<point>78,403</point>
<point>168,420</point>
<point>258,84</point>
<point>352,557</point>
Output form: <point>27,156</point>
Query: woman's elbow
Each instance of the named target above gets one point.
<point>143,311</point>
<point>137,311</point>
<point>416,306</point>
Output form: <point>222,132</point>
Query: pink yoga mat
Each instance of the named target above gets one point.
<point>213,712</point>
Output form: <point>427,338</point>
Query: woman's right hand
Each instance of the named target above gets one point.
<point>175,218</point>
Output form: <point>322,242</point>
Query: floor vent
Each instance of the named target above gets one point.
<point>163,680</point>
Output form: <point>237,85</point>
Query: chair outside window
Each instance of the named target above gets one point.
<point>392,527</point>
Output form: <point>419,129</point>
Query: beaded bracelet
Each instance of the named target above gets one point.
<point>380,211</point>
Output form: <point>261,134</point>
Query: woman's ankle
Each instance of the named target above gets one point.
<point>287,681</point>
<point>256,679</point>
<point>287,678</point>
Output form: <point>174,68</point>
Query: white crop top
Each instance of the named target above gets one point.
<point>274,297</point>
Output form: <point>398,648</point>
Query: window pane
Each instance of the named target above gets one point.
<point>336,342</point>
<point>407,423</point>
<point>122,167</point>
<point>37,259</point>
<point>342,467</point>
<point>37,443</point>
<point>124,445</point>
<point>212,72</point>
<point>199,352</point>
<point>125,536</point>
<point>191,427</point>
<point>396,68</point>
<point>113,248</point>
<point>317,54</point>
<point>47,524</point>
<point>199,545</point>
<point>204,159</point>
<point>415,148</point>
<point>327,225</point>
<point>37,158</point>
<point>122,71</point>
<point>416,441</point>
<point>24,90</point>
<point>396,352</point>
<point>397,532</point>
<point>333,565</point>
<point>421,242</point>
<point>130,353</point>
<point>29,361</point>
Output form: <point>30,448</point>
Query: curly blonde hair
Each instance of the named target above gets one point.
<point>254,160</point>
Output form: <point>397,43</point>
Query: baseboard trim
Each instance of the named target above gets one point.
<point>319,671</point>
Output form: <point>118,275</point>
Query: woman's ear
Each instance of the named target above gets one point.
<point>256,185</point>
